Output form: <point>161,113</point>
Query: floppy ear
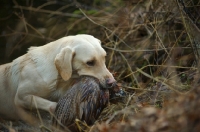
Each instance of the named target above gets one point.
<point>63,62</point>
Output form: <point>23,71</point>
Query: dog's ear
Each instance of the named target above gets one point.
<point>63,62</point>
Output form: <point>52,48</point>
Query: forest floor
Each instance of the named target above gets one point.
<point>152,50</point>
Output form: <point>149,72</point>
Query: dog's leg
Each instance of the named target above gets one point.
<point>35,102</point>
<point>33,90</point>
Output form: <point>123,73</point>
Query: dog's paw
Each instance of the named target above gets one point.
<point>52,108</point>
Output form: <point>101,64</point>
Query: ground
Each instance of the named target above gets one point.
<point>152,50</point>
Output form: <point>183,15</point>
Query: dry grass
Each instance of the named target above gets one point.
<point>151,45</point>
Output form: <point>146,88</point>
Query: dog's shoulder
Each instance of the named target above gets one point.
<point>42,58</point>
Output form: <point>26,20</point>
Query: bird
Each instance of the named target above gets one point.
<point>85,101</point>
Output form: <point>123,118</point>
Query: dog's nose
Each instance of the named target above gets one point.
<point>111,82</point>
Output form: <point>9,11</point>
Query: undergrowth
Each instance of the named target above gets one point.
<point>152,46</point>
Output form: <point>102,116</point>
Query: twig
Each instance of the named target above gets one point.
<point>156,79</point>
<point>194,68</point>
<point>102,26</point>
<point>143,50</point>
<point>130,69</point>
<point>48,11</point>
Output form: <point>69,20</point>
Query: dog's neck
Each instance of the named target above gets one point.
<point>61,84</point>
<point>61,87</point>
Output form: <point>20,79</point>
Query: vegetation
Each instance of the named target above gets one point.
<point>152,46</point>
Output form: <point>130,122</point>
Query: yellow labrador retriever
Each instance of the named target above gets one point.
<point>40,77</point>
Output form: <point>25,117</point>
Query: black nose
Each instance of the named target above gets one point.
<point>110,83</point>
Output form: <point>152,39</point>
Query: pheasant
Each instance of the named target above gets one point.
<point>85,101</point>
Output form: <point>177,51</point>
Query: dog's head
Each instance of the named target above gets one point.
<point>84,54</point>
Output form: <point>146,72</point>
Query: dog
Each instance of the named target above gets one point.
<point>37,79</point>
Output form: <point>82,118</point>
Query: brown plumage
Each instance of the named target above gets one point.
<point>84,101</point>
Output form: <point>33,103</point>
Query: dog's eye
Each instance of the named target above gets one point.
<point>90,63</point>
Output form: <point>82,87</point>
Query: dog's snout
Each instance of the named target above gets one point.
<point>111,82</point>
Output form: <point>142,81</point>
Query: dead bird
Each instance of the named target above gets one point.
<point>84,101</point>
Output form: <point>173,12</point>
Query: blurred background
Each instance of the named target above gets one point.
<point>149,42</point>
<point>152,45</point>
<point>160,38</point>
